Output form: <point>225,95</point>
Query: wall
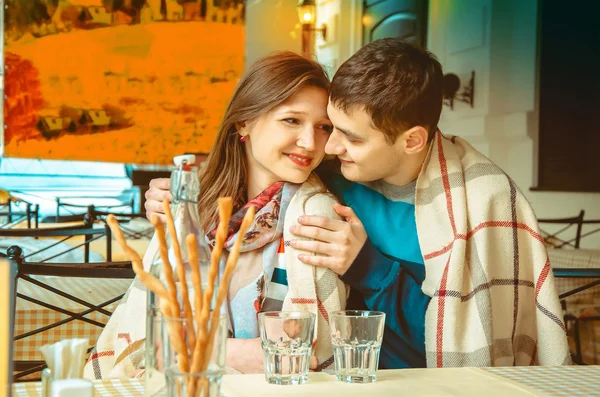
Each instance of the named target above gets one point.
<point>498,40</point>
<point>271,25</point>
<point>343,37</point>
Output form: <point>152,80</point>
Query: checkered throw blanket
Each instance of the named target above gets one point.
<point>487,271</point>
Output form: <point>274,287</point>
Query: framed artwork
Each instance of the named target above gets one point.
<point>128,81</point>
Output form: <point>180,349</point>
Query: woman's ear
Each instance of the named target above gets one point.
<point>241,129</point>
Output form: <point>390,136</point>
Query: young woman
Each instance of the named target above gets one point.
<point>272,137</point>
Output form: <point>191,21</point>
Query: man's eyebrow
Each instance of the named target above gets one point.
<point>348,133</point>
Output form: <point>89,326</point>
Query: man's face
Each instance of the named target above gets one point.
<point>364,152</point>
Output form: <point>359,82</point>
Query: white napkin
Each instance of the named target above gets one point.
<point>66,358</point>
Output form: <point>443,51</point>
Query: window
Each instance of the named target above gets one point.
<point>569,97</point>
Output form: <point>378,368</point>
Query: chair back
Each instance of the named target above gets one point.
<point>553,240</point>
<point>62,234</point>
<point>58,292</point>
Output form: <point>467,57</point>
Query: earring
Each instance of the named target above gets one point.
<point>242,139</point>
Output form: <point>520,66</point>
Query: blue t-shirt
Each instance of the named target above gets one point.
<point>389,270</point>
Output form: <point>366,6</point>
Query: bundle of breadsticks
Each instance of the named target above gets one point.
<point>194,350</point>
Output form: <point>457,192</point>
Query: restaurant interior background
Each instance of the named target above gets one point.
<point>497,41</point>
<point>525,95</point>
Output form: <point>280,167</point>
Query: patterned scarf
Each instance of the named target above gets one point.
<point>265,227</point>
<point>259,255</point>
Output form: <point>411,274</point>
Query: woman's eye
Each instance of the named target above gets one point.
<point>327,128</point>
<point>291,121</point>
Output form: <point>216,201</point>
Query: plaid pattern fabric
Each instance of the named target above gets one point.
<point>106,388</point>
<point>571,381</point>
<point>312,288</point>
<point>493,299</point>
<point>30,316</point>
<point>112,356</point>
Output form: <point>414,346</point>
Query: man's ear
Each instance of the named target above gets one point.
<point>415,140</point>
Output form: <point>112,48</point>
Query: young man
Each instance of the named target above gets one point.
<point>454,256</point>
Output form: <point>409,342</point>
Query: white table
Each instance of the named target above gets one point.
<point>570,381</point>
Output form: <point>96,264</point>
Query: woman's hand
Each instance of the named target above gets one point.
<point>246,356</point>
<point>158,192</point>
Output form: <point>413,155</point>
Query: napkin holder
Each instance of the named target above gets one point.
<point>63,377</point>
<point>65,387</point>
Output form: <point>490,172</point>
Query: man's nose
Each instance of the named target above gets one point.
<point>334,145</point>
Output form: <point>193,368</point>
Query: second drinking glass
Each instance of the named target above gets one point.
<point>287,345</point>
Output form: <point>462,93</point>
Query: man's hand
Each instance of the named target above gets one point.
<point>158,192</point>
<point>338,242</point>
<point>246,356</point>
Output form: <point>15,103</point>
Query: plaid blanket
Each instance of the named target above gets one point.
<point>487,270</point>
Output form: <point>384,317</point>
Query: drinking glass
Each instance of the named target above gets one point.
<point>356,337</point>
<point>199,384</point>
<point>287,343</point>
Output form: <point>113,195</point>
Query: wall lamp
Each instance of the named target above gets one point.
<point>452,86</point>
<point>307,12</point>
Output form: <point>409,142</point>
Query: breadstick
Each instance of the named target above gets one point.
<point>225,208</point>
<point>196,276</point>
<point>187,310</point>
<point>151,282</point>
<point>224,285</point>
<point>175,336</point>
<point>166,265</point>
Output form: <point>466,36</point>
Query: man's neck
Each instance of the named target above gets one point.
<point>409,173</point>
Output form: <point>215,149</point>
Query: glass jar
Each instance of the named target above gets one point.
<point>185,188</point>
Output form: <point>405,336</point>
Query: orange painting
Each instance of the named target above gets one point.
<point>128,81</point>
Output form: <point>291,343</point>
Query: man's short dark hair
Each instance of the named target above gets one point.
<point>398,84</point>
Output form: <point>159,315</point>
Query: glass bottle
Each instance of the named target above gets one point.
<point>185,188</point>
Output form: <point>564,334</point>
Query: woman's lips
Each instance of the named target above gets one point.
<point>299,159</point>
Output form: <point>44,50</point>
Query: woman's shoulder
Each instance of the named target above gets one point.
<point>313,199</point>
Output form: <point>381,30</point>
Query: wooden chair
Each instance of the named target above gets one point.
<point>28,271</point>
<point>558,242</point>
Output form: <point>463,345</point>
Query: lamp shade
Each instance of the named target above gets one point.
<point>307,11</point>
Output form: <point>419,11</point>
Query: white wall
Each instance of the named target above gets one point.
<point>343,37</point>
<point>498,39</point>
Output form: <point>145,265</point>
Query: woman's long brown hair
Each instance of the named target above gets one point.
<point>269,82</point>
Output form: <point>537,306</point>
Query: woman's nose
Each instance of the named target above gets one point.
<point>306,140</point>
